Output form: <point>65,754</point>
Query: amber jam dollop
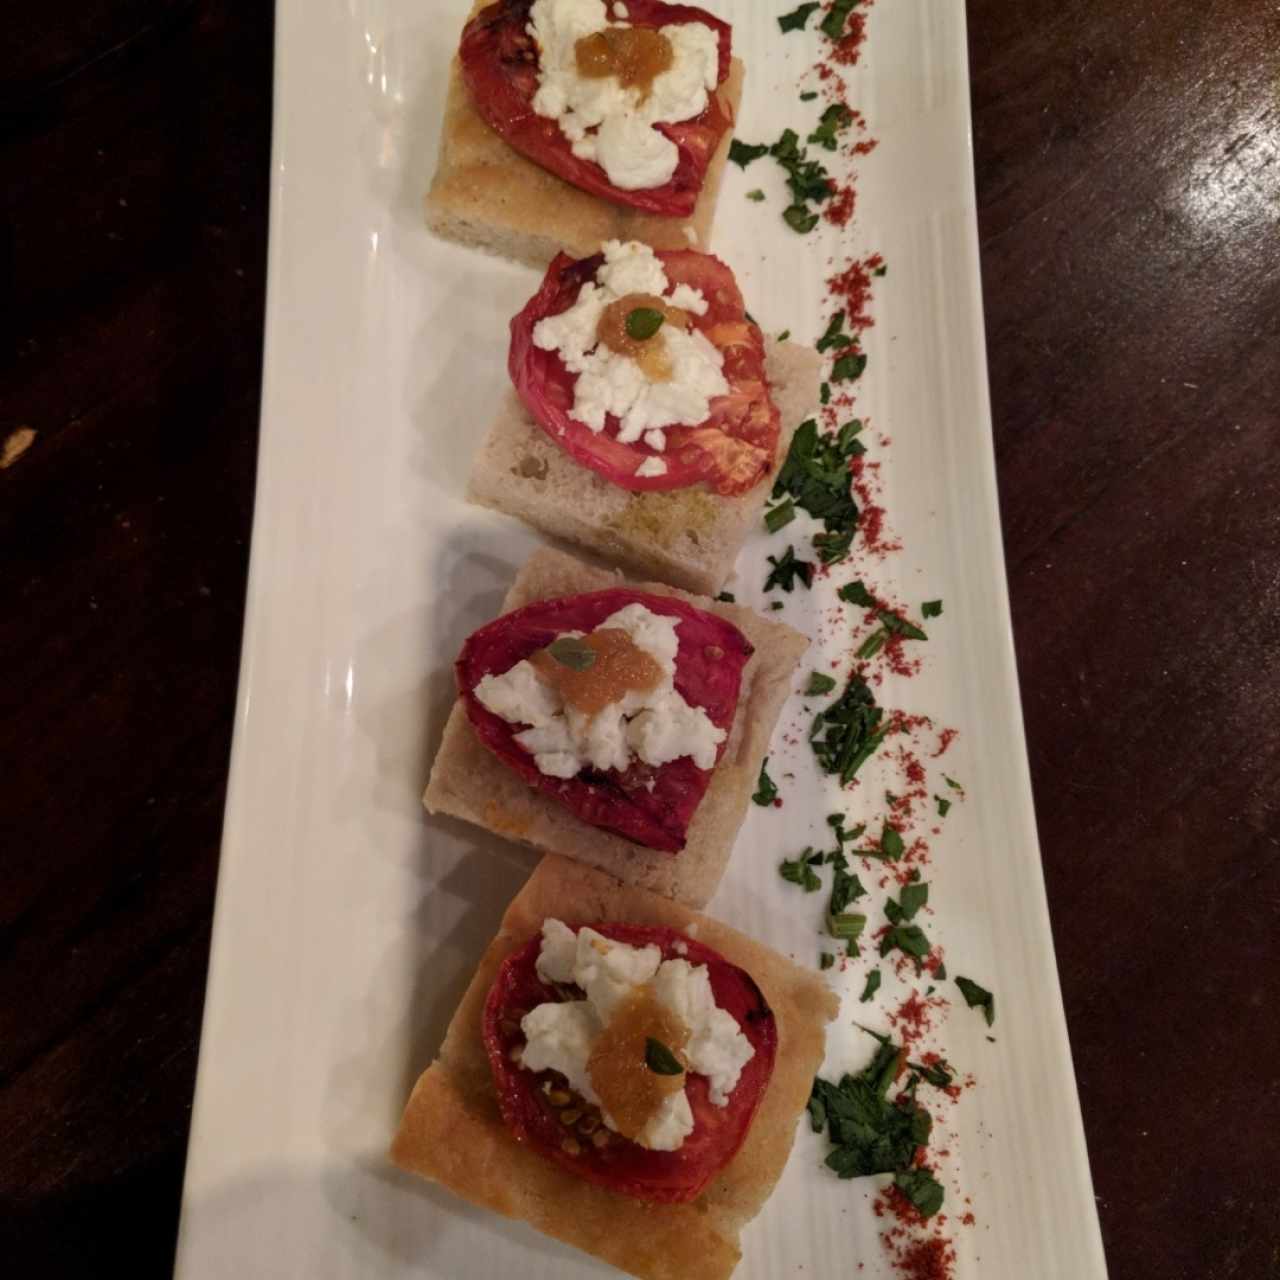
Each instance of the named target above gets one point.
<point>629,1092</point>
<point>649,353</point>
<point>636,55</point>
<point>620,667</point>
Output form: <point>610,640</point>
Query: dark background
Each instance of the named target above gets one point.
<point>1128,170</point>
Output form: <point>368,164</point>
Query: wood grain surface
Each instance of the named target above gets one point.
<point>1128,160</point>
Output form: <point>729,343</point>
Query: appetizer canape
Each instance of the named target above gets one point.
<point>621,725</point>
<point>649,414</point>
<point>623,1074</point>
<point>571,121</point>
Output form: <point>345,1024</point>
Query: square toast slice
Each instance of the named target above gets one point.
<point>487,195</point>
<point>468,781</point>
<point>687,537</point>
<point>453,1133</point>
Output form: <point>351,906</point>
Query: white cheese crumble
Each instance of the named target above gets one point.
<point>609,383</point>
<point>560,1035</point>
<point>605,123</point>
<point>652,467</point>
<point>656,726</point>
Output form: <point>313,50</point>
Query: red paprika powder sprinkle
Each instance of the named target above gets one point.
<point>854,285</point>
<point>847,49</point>
<point>931,1259</point>
<point>839,209</point>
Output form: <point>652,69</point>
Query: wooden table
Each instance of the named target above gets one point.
<point>1129,181</point>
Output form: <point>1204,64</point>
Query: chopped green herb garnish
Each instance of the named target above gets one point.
<point>643,323</point>
<point>796,19</point>
<point>826,960</point>
<point>872,986</point>
<point>727,597</point>
<point>799,219</point>
<point>833,548</point>
<point>940,971</point>
<point>833,24</point>
<point>848,367</point>
<point>660,1060</point>
<point>742,153</point>
<point>808,95</point>
<point>846,734</point>
<point>777,517</point>
<point>891,624</point>
<point>808,179</point>
<point>798,871</point>
<point>766,790</point>
<point>977,997</point>
<point>899,626</point>
<point>835,118</point>
<point>907,938</point>
<point>944,806</point>
<point>847,926</point>
<point>857,593</point>
<point>787,570</point>
<point>881,270</point>
<point>870,1133</point>
<point>872,644</point>
<point>818,685</point>
<point>939,1074</point>
<point>911,899</point>
<point>836,821</point>
<point>931,609</point>
<point>953,784</point>
<point>922,1189</point>
<point>756,196</point>
<point>776,605</point>
<point>816,475</point>
<point>834,335</point>
<point>824,393</point>
<point>891,843</point>
<point>784,335</point>
<point>572,652</point>
<point>846,888</point>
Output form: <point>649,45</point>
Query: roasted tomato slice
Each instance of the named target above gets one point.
<point>500,66</point>
<point>731,452</point>
<point>622,1166</point>
<point>647,805</point>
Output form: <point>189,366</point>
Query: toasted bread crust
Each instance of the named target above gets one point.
<point>688,537</point>
<point>452,1131</point>
<point>486,194</point>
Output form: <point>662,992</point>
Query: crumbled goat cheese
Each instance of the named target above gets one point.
<point>561,1035</point>
<point>605,123</point>
<point>656,726</point>
<point>610,383</point>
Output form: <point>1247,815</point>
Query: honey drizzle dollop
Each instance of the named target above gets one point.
<point>649,353</point>
<point>636,55</point>
<point>630,1092</point>
<point>620,667</point>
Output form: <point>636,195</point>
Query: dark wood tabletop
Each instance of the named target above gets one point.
<point>1128,164</point>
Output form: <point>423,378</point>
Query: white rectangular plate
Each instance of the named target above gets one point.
<point>347,923</point>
